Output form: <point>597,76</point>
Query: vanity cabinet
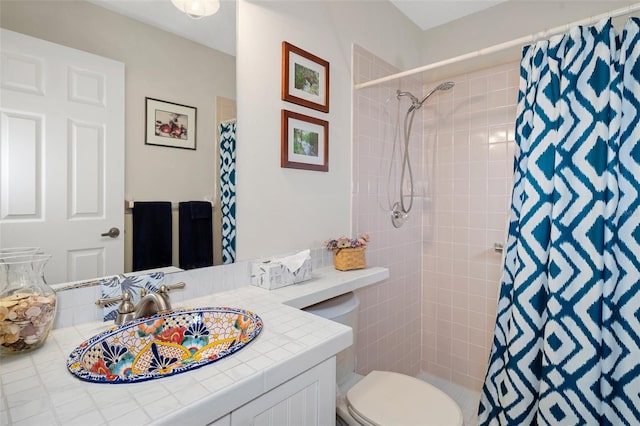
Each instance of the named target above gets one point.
<point>308,399</point>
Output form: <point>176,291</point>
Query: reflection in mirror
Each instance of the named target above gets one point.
<point>159,65</point>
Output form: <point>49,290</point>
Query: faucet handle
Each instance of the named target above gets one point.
<point>164,289</point>
<point>124,298</point>
<point>125,310</point>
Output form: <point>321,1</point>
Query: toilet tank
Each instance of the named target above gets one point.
<point>344,310</point>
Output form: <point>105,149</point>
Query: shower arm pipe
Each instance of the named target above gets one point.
<point>521,41</point>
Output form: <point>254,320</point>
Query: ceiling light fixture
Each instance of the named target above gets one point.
<point>196,9</point>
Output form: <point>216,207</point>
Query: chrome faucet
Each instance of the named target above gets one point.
<point>150,303</point>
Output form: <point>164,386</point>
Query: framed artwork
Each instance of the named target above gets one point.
<point>305,142</point>
<point>305,78</point>
<point>170,124</point>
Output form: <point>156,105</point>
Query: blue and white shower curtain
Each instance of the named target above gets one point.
<point>566,349</point>
<point>228,189</point>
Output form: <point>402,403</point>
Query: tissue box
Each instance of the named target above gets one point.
<point>272,274</point>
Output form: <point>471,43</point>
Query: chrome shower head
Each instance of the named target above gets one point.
<point>445,86</point>
<point>442,86</point>
<point>415,103</point>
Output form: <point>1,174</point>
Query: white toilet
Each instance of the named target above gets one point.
<point>382,398</point>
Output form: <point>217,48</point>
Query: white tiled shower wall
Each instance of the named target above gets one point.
<point>388,335</point>
<point>469,145</point>
<point>443,266</point>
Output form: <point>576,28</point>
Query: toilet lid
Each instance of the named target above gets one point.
<point>387,398</point>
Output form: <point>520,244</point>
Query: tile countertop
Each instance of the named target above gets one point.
<point>37,389</point>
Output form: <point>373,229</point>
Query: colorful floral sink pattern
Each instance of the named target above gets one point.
<point>163,345</point>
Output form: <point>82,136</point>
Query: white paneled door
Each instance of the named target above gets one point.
<point>62,156</point>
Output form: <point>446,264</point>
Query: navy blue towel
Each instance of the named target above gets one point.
<point>151,234</point>
<point>196,234</point>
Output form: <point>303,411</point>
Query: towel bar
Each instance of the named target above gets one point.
<point>128,205</point>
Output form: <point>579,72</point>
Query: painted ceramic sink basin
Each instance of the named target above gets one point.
<point>163,345</point>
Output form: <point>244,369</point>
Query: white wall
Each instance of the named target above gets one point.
<point>281,210</point>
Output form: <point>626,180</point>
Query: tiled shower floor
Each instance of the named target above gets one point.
<point>467,399</point>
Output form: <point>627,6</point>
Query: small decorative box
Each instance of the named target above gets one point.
<point>275,273</point>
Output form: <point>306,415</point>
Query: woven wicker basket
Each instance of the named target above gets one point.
<point>346,259</point>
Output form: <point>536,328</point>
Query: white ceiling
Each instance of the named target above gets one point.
<point>431,13</point>
<point>219,31</point>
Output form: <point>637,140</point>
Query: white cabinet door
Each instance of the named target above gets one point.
<point>306,400</point>
<point>62,156</point>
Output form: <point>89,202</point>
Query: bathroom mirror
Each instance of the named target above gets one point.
<point>159,65</point>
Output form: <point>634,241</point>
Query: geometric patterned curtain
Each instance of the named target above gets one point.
<point>566,349</point>
<point>228,189</point>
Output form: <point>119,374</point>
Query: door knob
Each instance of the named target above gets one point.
<point>113,233</point>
